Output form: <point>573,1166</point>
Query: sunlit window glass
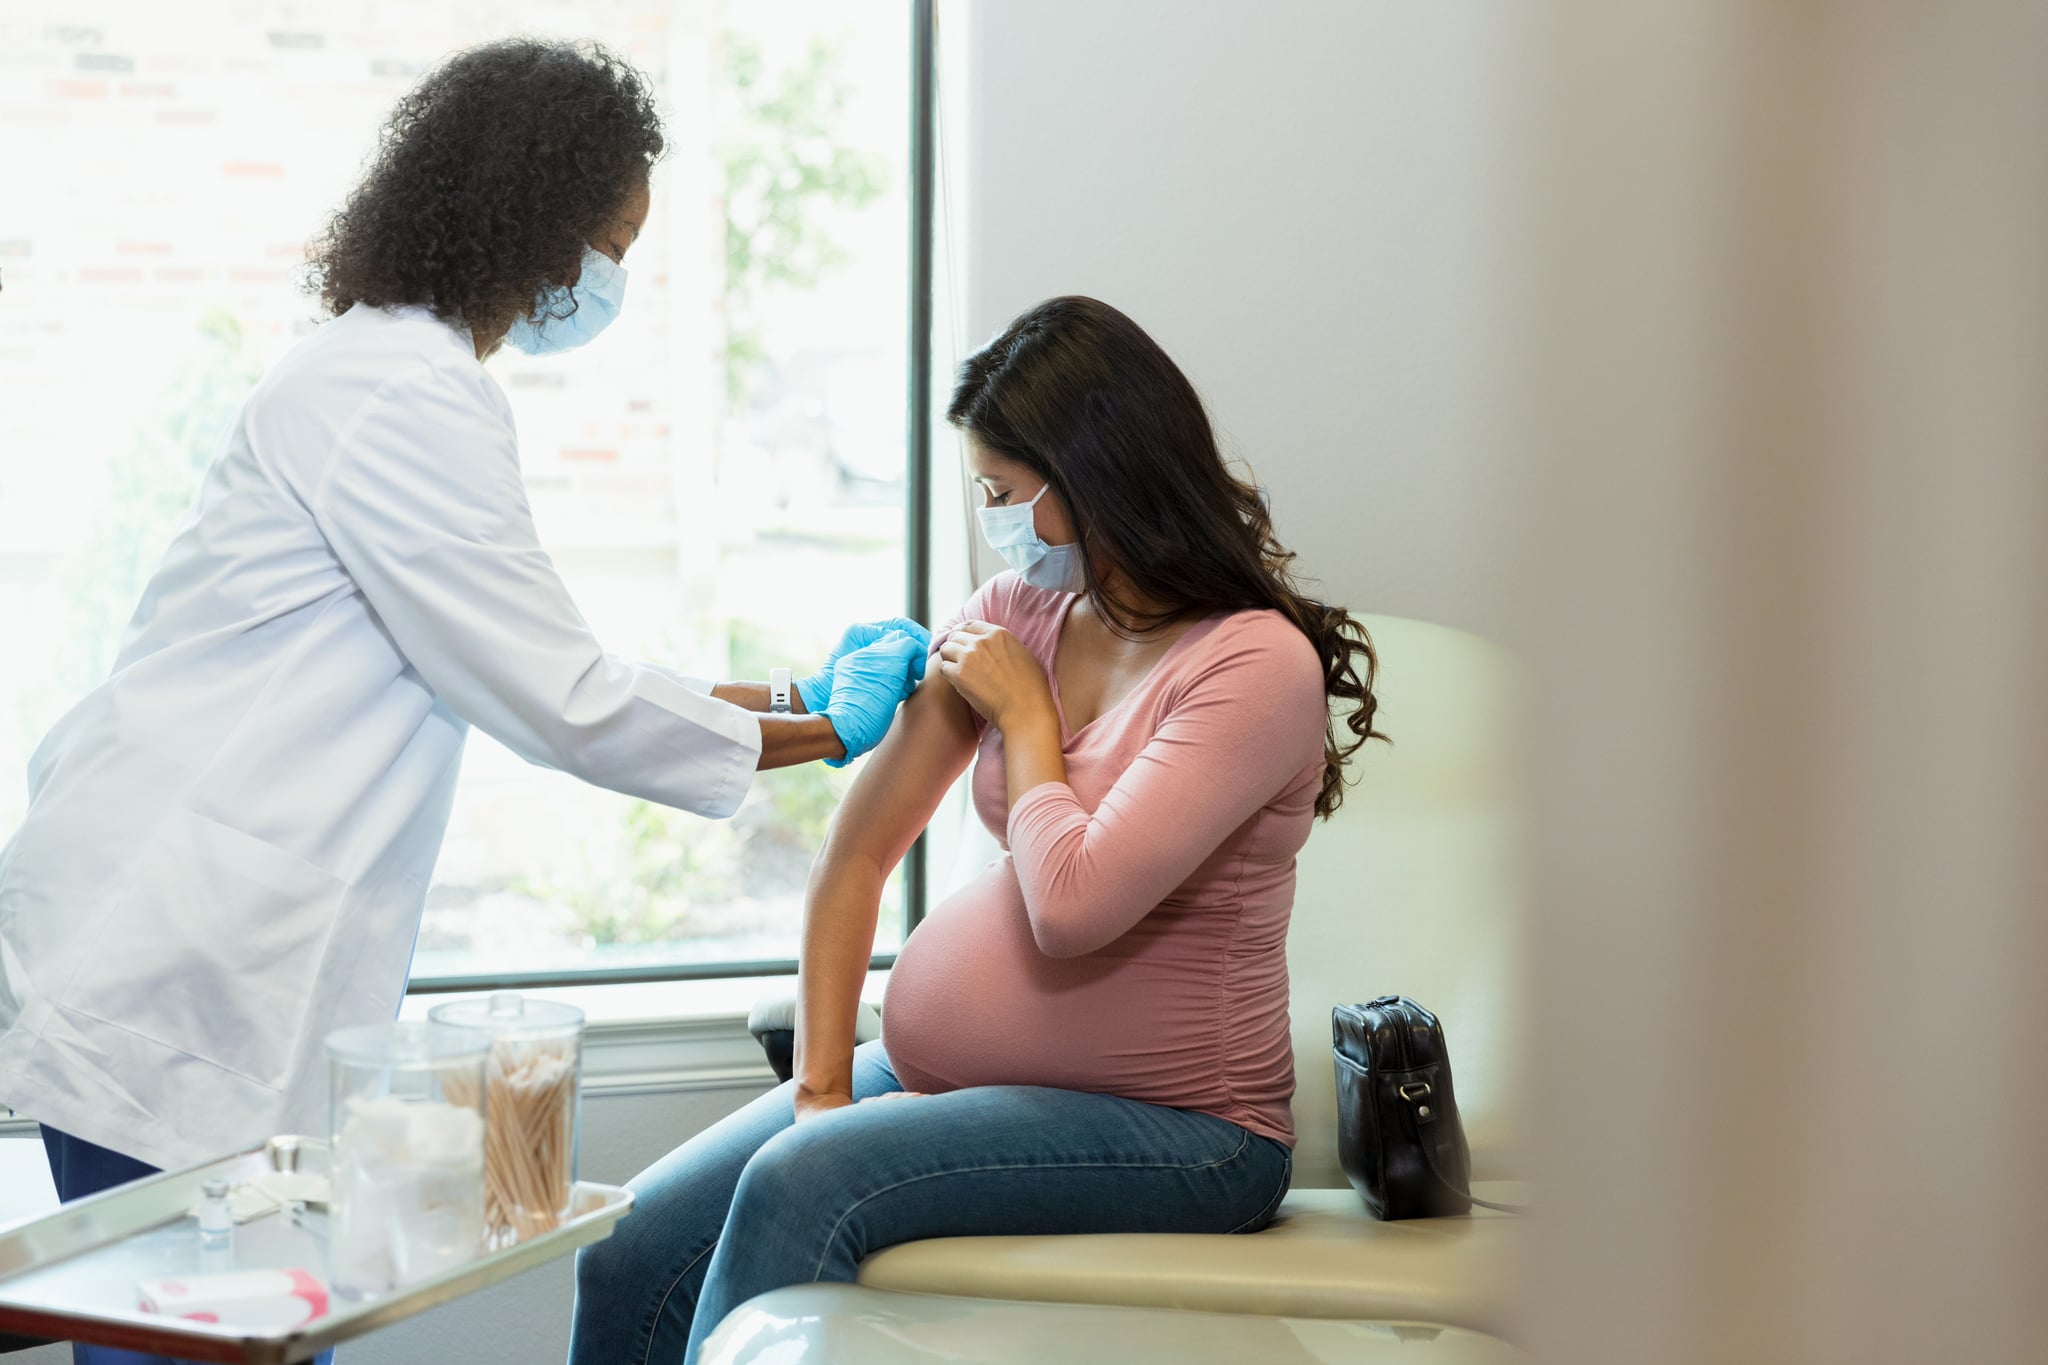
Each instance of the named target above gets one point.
<point>719,478</point>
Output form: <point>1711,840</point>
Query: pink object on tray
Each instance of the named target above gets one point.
<point>245,1298</point>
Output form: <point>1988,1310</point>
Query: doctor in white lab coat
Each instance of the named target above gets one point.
<point>229,841</point>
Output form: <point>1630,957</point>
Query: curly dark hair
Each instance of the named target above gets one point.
<point>488,180</point>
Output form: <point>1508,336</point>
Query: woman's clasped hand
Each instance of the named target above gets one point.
<point>996,675</point>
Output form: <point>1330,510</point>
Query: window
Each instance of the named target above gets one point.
<point>722,480</point>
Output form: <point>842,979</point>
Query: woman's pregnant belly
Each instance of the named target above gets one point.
<point>972,1001</point>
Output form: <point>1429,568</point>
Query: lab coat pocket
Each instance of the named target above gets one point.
<point>214,948</point>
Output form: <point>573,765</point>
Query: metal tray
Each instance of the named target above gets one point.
<point>72,1275</point>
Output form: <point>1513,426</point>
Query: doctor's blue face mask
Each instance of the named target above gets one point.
<point>1012,532</point>
<point>600,291</point>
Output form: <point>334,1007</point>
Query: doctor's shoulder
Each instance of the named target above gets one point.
<point>365,363</point>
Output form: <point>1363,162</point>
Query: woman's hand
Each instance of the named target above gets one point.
<point>811,1103</point>
<point>998,677</point>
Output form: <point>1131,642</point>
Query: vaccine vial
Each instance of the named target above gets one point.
<point>216,1220</point>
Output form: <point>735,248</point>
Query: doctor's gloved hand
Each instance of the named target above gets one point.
<point>867,686</point>
<point>816,690</point>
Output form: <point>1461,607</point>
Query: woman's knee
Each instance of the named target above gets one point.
<point>600,1267</point>
<point>818,1168</point>
<point>641,1244</point>
<point>796,1165</point>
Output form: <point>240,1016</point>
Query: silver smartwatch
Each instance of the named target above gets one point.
<point>778,691</point>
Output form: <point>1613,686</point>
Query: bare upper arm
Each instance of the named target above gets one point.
<point>902,782</point>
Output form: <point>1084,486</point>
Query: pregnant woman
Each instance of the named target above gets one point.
<point>1092,1035</point>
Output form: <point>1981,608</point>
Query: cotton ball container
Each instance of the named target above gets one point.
<point>406,1128</point>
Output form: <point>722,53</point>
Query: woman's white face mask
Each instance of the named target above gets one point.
<point>1012,532</point>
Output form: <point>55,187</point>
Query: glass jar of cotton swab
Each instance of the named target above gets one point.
<point>533,1081</point>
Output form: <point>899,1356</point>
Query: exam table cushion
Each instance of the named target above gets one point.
<point>1323,1257</point>
<point>837,1324</point>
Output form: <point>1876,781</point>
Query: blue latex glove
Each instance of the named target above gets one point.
<point>816,690</point>
<point>868,685</point>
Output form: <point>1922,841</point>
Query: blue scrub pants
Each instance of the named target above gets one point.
<point>80,1169</point>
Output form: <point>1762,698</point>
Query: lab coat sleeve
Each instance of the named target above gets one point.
<point>424,505</point>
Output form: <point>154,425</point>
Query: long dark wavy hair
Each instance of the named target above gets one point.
<point>488,180</point>
<point>1079,394</point>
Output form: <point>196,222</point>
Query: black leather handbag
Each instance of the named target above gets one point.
<point>1398,1134</point>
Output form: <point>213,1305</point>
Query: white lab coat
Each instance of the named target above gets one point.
<point>228,843</point>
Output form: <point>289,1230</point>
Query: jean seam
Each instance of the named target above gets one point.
<point>1244,1140</point>
<point>1286,1179</point>
<point>647,1346</point>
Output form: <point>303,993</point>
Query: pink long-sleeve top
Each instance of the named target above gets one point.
<point>1132,938</point>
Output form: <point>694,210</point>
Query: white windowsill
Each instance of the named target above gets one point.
<point>647,1037</point>
<point>643,1037</point>
<point>651,1002</point>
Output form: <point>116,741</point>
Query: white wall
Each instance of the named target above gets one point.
<point>1295,198</point>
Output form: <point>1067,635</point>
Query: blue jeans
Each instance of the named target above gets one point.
<point>80,1169</point>
<point>808,1203</point>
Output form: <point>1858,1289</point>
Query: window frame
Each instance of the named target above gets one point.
<point>917,549</point>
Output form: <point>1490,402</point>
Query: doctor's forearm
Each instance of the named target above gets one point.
<point>789,740</point>
<point>753,696</point>
<point>786,739</point>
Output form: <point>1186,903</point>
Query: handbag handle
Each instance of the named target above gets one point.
<point>1418,1114</point>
